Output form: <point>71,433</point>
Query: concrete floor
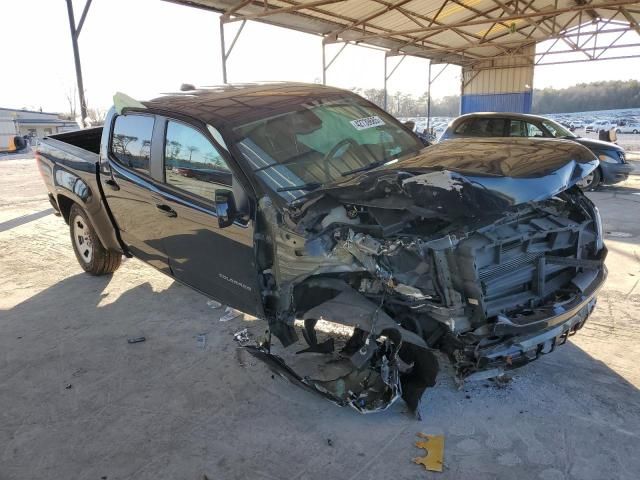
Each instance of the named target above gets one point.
<point>78,402</point>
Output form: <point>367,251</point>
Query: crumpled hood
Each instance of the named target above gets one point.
<point>470,177</point>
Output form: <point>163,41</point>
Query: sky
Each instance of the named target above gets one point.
<point>146,47</point>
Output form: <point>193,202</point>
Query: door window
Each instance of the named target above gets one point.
<point>534,131</point>
<point>131,141</point>
<point>518,129</point>
<point>482,127</point>
<point>192,163</point>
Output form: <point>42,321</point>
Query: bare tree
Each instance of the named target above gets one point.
<point>71,95</point>
<point>192,149</point>
<point>96,116</point>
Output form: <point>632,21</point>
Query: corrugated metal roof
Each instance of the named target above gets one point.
<point>463,32</point>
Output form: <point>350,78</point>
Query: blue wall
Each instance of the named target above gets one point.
<point>519,102</point>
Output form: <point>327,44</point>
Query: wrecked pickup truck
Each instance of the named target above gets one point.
<point>301,203</point>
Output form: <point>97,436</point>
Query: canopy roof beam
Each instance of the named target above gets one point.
<point>483,21</point>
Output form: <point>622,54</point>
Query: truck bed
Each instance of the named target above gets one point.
<point>87,139</point>
<point>68,163</point>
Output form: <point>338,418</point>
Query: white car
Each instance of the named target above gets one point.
<point>628,128</point>
<point>600,125</point>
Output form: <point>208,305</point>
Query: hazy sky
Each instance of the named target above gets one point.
<point>145,47</point>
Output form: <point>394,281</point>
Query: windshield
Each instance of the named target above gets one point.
<point>320,142</point>
<point>557,130</point>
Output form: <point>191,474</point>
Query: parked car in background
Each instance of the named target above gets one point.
<point>628,128</point>
<point>613,166</point>
<point>599,125</point>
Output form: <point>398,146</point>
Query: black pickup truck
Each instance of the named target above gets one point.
<point>293,201</point>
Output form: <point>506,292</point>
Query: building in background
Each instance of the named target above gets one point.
<point>30,124</point>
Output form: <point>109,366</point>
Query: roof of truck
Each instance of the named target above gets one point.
<point>237,104</point>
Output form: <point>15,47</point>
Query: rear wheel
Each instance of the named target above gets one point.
<point>635,131</point>
<point>91,254</point>
<point>591,181</point>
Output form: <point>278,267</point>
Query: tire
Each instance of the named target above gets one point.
<point>618,131</point>
<point>635,131</point>
<point>91,254</point>
<point>591,182</point>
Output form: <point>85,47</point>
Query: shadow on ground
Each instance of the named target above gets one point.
<point>78,401</point>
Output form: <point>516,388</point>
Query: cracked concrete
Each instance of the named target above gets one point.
<point>168,408</point>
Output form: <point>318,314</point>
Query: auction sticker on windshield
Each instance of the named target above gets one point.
<point>367,122</point>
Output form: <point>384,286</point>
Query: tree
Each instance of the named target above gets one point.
<point>588,96</point>
<point>191,149</point>
<point>71,95</point>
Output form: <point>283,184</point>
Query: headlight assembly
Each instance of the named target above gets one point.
<point>605,157</point>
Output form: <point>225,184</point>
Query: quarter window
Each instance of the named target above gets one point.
<point>534,131</point>
<point>192,163</point>
<point>519,128</point>
<point>131,141</point>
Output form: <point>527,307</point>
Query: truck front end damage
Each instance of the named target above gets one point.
<point>491,270</point>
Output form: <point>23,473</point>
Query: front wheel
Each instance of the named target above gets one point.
<point>591,181</point>
<point>635,131</point>
<point>91,254</point>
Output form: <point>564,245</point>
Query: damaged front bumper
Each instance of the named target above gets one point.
<point>514,344</point>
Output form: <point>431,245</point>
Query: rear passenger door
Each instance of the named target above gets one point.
<point>128,184</point>
<point>217,261</point>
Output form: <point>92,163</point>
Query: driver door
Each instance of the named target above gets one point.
<point>217,261</point>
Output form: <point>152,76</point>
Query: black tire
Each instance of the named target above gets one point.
<point>618,131</point>
<point>635,131</point>
<point>593,183</point>
<point>91,254</point>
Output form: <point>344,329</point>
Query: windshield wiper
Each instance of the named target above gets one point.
<point>304,186</point>
<point>366,167</point>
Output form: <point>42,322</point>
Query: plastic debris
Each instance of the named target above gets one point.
<point>434,446</point>
<point>136,339</point>
<point>231,314</point>
<point>122,101</point>
<point>241,336</point>
<point>202,340</point>
<point>213,304</point>
<point>68,386</point>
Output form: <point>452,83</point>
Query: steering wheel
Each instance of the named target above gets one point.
<point>332,153</point>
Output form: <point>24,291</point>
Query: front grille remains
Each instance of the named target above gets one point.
<point>504,269</point>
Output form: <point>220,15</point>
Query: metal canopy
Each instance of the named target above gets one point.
<point>462,32</point>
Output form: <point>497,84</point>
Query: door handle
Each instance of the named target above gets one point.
<point>167,210</point>
<point>112,183</point>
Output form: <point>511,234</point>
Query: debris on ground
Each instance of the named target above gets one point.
<point>213,304</point>
<point>78,372</point>
<point>231,314</point>
<point>329,442</point>
<point>68,386</point>
<point>136,339</point>
<point>242,336</point>
<point>434,446</point>
<point>202,340</point>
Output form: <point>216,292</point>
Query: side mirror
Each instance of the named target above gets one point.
<point>225,207</point>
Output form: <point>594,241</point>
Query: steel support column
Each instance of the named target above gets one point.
<point>430,82</point>
<point>388,76</point>
<point>326,66</point>
<point>429,101</point>
<point>223,49</point>
<point>75,33</point>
